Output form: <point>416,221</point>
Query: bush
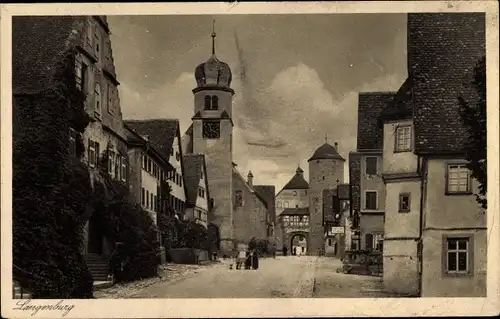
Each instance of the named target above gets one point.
<point>137,255</point>
<point>50,191</point>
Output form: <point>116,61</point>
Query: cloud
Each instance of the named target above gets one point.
<point>173,99</point>
<point>288,120</point>
<point>277,127</point>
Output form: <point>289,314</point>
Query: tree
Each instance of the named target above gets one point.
<point>51,190</point>
<point>473,115</point>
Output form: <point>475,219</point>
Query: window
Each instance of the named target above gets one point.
<point>371,165</point>
<point>458,179</point>
<point>78,73</point>
<point>211,129</point>
<point>371,200</point>
<point>97,93</point>
<point>285,204</point>
<point>457,255</point>
<point>378,242</point>
<point>143,197</point>
<point>404,202</point>
<point>403,139</point>
<point>97,42</point>
<point>93,153</point>
<point>211,102</point>
<point>124,169</point>
<point>117,166</point>
<point>279,204</point>
<point>296,205</point>
<point>294,193</point>
<point>111,159</point>
<point>89,32</point>
<point>215,102</point>
<point>238,198</point>
<point>177,155</point>
<point>201,192</point>
<point>151,206</point>
<point>147,199</point>
<point>208,102</point>
<point>84,78</point>
<point>110,99</point>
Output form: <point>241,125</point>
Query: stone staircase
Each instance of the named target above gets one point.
<point>98,267</point>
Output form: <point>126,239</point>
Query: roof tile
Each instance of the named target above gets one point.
<point>370,105</point>
<point>161,133</point>
<point>443,50</point>
<point>39,46</point>
<point>326,151</point>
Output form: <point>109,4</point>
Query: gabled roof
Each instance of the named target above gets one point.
<point>297,182</point>
<point>161,133</point>
<point>370,105</point>
<point>295,211</point>
<point>134,139</point>
<point>236,174</point>
<point>268,193</point>
<point>193,168</point>
<point>326,151</point>
<point>39,47</point>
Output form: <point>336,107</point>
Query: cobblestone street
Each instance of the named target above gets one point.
<point>283,277</point>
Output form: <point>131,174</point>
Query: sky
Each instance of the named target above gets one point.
<point>296,77</point>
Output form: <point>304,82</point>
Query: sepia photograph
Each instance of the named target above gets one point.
<point>290,156</point>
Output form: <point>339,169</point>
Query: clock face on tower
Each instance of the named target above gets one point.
<point>211,129</point>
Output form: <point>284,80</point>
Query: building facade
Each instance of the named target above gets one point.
<point>250,210</point>
<point>164,137</point>
<point>454,231</point>
<point>326,170</point>
<point>435,231</point>
<point>211,134</point>
<point>44,49</point>
<point>198,194</point>
<point>337,221</point>
<point>292,200</point>
<point>366,170</point>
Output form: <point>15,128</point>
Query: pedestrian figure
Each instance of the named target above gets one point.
<point>240,259</point>
<point>285,250</point>
<point>248,260</point>
<point>255,260</point>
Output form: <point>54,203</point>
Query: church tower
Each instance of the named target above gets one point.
<point>213,136</point>
<point>326,171</point>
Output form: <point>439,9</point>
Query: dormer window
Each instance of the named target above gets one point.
<point>211,102</point>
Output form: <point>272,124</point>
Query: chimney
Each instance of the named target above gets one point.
<point>250,178</point>
<point>336,145</point>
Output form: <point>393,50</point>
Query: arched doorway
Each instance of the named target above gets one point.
<point>298,244</point>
